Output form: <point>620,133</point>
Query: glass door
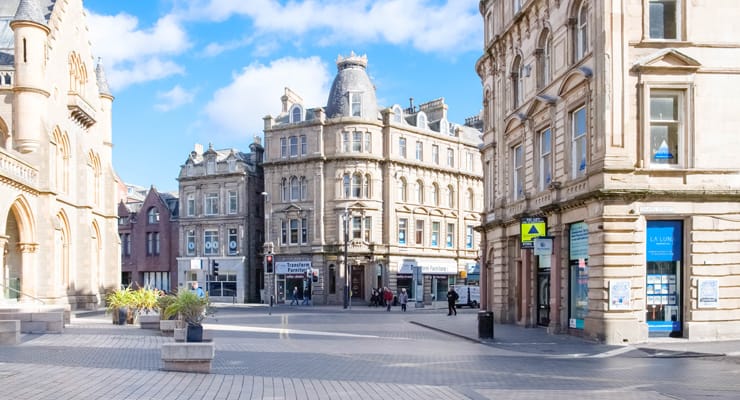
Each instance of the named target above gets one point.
<point>663,279</point>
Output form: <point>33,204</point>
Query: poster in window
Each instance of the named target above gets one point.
<point>708,293</point>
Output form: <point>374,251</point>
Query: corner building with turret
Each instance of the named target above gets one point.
<point>363,195</point>
<point>59,241</point>
<point>608,128</point>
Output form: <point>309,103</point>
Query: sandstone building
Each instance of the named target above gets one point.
<point>359,195</point>
<point>58,193</point>
<point>609,127</point>
<point>220,223</point>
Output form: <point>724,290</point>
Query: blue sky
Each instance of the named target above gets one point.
<point>207,71</point>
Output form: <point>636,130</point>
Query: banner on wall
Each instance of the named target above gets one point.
<point>531,228</point>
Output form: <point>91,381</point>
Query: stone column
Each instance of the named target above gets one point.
<point>28,276</point>
<point>3,267</point>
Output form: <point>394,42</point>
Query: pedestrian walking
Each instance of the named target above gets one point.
<point>295,296</point>
<point>452,297</point>
<point>403,298</point>
<point>198,290</point>
<point>388,297</point>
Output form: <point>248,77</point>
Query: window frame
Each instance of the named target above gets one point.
<point>299,117</point>
<point>574,162</point>
<point>434,238</point>
<point>283,147</point>
<point>435,154</point>
<point>233,201</point>
<point>403,231</point>
<point>419,232</point>
<point>402,147</point>
<point>517,172</point>
<point>210,236</point>
<point>678,21</point>
<point>304,145</point>
<point>190,239</point>
<point>544,157</point>
<point>355,104</point>
<point>152,216</point>
<point>191,205</point>
<point>450,235</point>
<point>210,206</point>
<point>419,151</point>
<point>684,146</point>
<point>293,145</point>
<point>233,237</point>
<point>469,236</point>
<point>580,31</point>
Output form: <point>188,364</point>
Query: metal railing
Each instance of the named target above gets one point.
<point>20,294</point>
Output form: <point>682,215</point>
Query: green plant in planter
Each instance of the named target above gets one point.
<point>191,308</point>
<point>163,302</point>
<point>146,300</point>
<point>119,303</point>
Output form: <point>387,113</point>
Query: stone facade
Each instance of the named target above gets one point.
<point>58,191</point>
<point>148,229</point>
<point>221,221</point>
<point>390,188</point>
<point>610,121</point>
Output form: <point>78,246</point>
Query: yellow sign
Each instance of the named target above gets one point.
<point>531,228</point>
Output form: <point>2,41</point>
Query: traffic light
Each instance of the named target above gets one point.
<point>268,264</point>
<point>314,275</point>
<point>214,270</point>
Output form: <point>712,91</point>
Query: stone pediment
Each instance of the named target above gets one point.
<point>292,209</point>
<point>666,60</point>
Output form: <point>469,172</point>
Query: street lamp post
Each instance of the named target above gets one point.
<point>267,249</point>
<point>347,299</point>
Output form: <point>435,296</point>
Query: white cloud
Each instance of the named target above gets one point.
<point>132,54</point>
<point>174,98</point>
<point>238,108</point>
<point>453,26</point>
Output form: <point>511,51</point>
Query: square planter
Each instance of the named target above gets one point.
<point>188,357</point>
<point>149,321</point>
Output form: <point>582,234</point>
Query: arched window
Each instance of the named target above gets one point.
<point>402,189</point>
<point>450,196</point>
<point>397,114</point>
<point>295,189</point>
<point>284,190</point>
<point>152,216</point>
<point>580,39</point>
<point>435,194</point>
<point>544,62</point>
<point>517,88</point>
<point>366,186</point>
<point>345,186</point>
<point>421,120</point>
<point>420,192</point>
<point>296,114</point>
<point>304,188</point>
<point>356,185</point>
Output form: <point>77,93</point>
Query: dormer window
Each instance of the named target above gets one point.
<point>421,120</point>
<point>397,114</point>
<point>211,166</point>
<point>296,114</point>
<point>355,102</point>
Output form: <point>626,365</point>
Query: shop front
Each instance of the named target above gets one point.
<point>290,275</point>
<point>578,275</point>
<point>438,275</point>
<point>663,279</point>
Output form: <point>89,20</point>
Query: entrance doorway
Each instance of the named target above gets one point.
<point>543,297</point>
<point>663,278</point>
<point>357,284</point>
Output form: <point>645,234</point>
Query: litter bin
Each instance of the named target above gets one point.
<point>485,324</point>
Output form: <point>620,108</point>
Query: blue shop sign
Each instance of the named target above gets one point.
<point>664,240</point>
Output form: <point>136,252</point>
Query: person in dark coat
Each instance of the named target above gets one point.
<point>452,297</point>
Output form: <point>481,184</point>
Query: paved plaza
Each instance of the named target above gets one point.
<point>362,353</point>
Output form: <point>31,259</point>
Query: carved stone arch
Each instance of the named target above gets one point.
<point>573,80</point>
<point>23,214</point>
<point>513,123</point>
<point>62,242</point>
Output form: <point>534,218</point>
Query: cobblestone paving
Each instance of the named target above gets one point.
<point>323,354</point>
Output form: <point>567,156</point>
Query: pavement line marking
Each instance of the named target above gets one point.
<point>283,331</point>
<point>612,353</point>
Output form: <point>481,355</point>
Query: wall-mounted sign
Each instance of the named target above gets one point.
<point>708,293</point>
<point>619,294</point>
<point>531,228</point>
<point>292,267</point>
<point>543,246</point>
